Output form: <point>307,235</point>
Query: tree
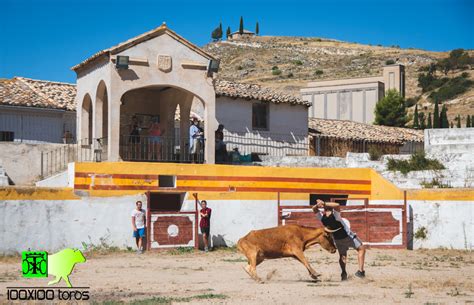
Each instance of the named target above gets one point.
<point>458,121</point>
<point>422,118</point>
<point>429,125</point>
<point>451,124</point>
<point>468,121</point>
<point>444,123</point>
<point>220,28</point>
<point>416,123</point>
<point>436,115</point>
<point>241,26</point>
<point>390,110</point>
<point>257,29</point>
<point>216,34</point>
<point>227,34</point>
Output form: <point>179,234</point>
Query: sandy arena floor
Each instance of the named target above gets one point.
<point>393,277</point>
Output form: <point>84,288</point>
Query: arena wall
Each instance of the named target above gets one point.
<point>97,210</point>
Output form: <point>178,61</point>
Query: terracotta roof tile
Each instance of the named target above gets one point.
<point>359,131</point>
<point>255,92</point>
<point>20,91</point>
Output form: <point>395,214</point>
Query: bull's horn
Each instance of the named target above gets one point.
<point>330,231</point>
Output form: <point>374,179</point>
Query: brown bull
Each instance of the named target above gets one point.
<point>282,241</point>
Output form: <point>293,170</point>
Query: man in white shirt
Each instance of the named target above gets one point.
<point>138,225</point>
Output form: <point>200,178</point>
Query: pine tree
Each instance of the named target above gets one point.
<point>241,26</point>
<point>436,120</point>
<point>257,29</point>
<point>228,32</point>
<point>468,121</point>
<point>390,110</point>
<point>444,117</point>
<point>429,125</point>
<point>416,123</point>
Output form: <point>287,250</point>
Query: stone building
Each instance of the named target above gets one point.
<point>352,99</point>
<point>244,35</point>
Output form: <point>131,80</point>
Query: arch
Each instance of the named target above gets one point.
<point>101,111</point>
<point>86,119</point>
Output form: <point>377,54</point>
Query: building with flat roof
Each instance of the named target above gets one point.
<point>352,99</point>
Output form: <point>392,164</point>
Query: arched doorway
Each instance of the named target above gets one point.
<point>86,120</point>
<point>101,109</point>
<point>151,130</point>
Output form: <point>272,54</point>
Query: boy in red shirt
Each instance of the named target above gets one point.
<point>205,223</point>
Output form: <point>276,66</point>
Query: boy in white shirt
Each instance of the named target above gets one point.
<point>138,225</point>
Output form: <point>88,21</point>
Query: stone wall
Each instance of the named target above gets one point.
<point>22,162</point>
<point>449,140</point>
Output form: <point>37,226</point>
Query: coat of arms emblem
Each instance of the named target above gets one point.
<point>164,63</point>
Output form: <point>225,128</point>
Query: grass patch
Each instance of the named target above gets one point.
<point>168,300</point>
<point>421,233</point>
<point>417,162</point>
<point>409,293</point>
<point>435,183</point>
<point>235,260</point>
<point>181,251</point>
<point>276,72</point>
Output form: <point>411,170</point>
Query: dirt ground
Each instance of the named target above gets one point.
<point>217,277</point>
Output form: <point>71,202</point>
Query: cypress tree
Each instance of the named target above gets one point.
<point>241,26</point>
<point>444,117</point>
<point>422,119</point>
<point>416,123</point>
<point>228,32</point>
<point>429,125</point>
<point>458,123</point>
<point>257,29</point>
<point>468,121</point>
<point>436,120</point>
<point>451,124</point>
<point>220,28</point>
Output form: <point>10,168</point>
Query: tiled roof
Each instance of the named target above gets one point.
<point>20,91</point>
<point>141,38</point>
<point>350,130</point>
<point>255,92</point>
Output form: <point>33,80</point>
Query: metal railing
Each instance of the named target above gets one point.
<point>86,150</point>
<point>160,149</point>
<point>264,143</point>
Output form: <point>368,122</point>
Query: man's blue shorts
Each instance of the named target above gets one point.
<point>139,233</point>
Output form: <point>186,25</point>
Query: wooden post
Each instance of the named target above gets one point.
<point>196,220</point>
<point>148,222</point>
<point>404,221</point>
<point>278,209</point>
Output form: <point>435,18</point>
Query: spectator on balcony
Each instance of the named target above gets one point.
<point>156,139</point>
<point>67,138</point>
<point>195,137</point>
<point>135,133</point>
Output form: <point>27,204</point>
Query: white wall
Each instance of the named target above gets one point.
<point>449,140</point>
<point>449,224</point>
<point>37,125</point>
<point>54,225</point>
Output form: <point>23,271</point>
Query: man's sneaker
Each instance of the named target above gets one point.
<point>344,276</point>
<point>360,274</point>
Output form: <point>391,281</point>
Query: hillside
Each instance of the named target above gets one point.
<point>299,58</point>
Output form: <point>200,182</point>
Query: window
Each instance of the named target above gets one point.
<point>166,181</point>
<point>260,116</point>
<point>7,136</point>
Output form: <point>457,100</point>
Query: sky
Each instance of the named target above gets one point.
<point>43,39</point>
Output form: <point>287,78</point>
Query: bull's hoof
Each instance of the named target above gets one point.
<point>315,276</point>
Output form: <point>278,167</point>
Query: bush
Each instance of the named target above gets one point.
<point>375,153</point>
<point>290,75</point>
<point>409,102</point>
<point>428,82</point>
<point>297,62</point>
<point>452,88</point>
<point>389,62</point>
<point>276,72</point>
<point>318,72</point>
<point>275,68</point>
<point>417,162</point>
<point>421,233</point>
<point>239,67</point>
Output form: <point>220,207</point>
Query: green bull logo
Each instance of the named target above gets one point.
<point>60,265</point>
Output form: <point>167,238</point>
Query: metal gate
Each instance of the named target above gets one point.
<point>377,225</point>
